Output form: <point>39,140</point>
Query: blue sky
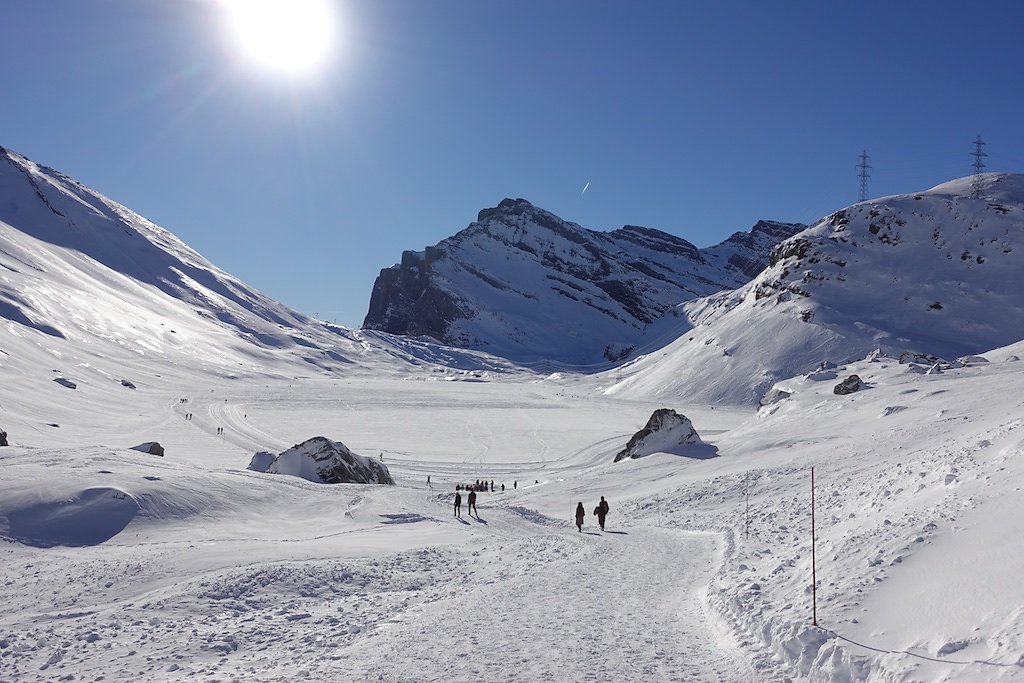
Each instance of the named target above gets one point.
<point>698,118</point>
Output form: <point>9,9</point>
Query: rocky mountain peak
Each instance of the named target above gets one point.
<point>525,284</point>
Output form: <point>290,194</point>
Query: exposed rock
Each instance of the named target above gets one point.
<point>151,447</point>
<point>261,461</point>
<point>851,384</point>
<point>935,369</point>
<point>3,438</point>
<point>65,382</point>
<point>666,432</point>
<point>919,358</point>
<point>126,383</point>
<point>329,462</point>
<point>523,283</point>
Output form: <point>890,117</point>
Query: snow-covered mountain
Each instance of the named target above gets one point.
<point>935,273</point>
<point>524,284</point>
<point>84,278</point>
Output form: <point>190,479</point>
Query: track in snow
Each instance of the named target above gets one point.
<point>562,606</point>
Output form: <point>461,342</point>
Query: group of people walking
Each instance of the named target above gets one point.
<point>601,512</point>
<point>471,503</point>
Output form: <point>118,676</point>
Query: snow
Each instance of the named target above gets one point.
<point>120,565</point>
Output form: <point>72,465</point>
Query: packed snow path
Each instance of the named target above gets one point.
<point>509,595</point>
<point>564,606</point>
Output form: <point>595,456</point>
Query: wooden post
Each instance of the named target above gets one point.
<point>814,569</point>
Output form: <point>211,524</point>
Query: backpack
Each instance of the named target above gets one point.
<point>597,510</point>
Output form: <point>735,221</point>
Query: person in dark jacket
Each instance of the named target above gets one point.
<point>458,504</point>
<point>579,516</point>
<point>602,512</point>
<point>472,503</point>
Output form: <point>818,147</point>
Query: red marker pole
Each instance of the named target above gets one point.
<point>814,570</point>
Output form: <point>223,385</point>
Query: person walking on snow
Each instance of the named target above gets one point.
<point>602,512</point>
<point>579,516</point>
<point>458,504</point>
<point>472,503</point>
<point>428,481</point>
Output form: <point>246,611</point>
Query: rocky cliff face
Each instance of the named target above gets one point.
<point>523,283</point>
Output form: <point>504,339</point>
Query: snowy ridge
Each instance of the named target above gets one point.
<point>935,273</point>
<point>84,279</point>
<point>524,284</point>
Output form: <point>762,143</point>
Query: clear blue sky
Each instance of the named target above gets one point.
<point>697,118</point>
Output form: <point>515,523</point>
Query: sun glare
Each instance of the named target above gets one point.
<point>289,36</point>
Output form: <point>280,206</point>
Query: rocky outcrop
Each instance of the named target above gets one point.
<point>850,385</point>
<point>523,283</point>
<point>666,432</point>
<point>329,462</point>
<point>151,447</point>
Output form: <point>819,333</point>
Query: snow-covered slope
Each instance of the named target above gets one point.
<point>524,284</point>
<point>935,272</point>
<point>86,282</point>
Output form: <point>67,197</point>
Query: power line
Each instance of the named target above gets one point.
<point>977,188</point>
<point>864,175</point>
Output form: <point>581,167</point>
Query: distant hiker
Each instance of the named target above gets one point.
<point>472,503</point>
<point>502,487</point>
<point>579,516</point>
<point>382,457</point>
<point>458,504</point>
<point>515,484</point>
<point>602,512</point>
<point>428,481</point>
<point>492,486</point>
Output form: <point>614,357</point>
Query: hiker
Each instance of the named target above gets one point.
<point>428,482</point>
<point>458,504</point>
<point>601,512</point>
<point>492,486</point>
<point>472,503</point>
<point>515,484</point>
<point>503,487</point>
<point>579,516</point>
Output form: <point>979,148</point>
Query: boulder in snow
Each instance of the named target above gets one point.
<point>151,447</point>
<point>666,432</point>
<point>261,461</point>
<point>934,370</point>
<point>65,382</point>
<point>3,438</point>
<point>849,385</point>
<point>126,383</point>
<point>329,462</point>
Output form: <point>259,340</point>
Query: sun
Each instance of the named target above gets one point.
<point>288,36</point>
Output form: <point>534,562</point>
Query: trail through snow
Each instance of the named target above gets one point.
<point>583,609</point>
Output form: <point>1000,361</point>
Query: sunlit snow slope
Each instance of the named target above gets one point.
<point>82,279</point>
<point>935,272</point>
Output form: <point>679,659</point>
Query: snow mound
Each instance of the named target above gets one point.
<point>261,461</point>
<point>666,432</point>
<point>329,462</point>
<point>92,517</point>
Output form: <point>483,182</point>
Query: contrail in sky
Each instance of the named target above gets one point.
<point>585,187</point>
